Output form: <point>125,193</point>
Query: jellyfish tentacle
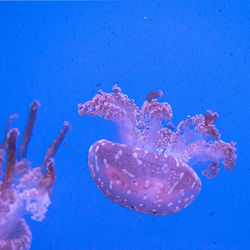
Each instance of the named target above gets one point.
<point>55,144</point>
<point>22,152</point>
<point>4,143</point>
<point>48,179</point>
<point>11,159</point>
<point>154,94</point>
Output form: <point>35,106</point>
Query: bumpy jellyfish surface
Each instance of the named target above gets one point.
<point>151,170</point>
<point>24,189</point>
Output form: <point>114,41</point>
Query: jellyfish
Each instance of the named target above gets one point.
<point>24,189</point>
<point>151,169</point>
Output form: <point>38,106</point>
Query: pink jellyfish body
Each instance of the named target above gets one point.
<point>23,189</point>
<point>150,171</point>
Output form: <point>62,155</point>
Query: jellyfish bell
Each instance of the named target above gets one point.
<point>140,180</point>
<point>15,234</point>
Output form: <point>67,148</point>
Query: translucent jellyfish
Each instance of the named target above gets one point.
<point>151,169</point>
<point>23,189</point>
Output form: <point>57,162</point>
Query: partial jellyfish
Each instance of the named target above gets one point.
<point>150,171</point>
<point>24,189</point>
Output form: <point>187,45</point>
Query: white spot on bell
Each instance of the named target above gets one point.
<point>135,155</point>
<point>181,175</point>
<point>172,188</point>
<point>96,164</point>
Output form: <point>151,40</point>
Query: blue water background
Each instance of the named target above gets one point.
<point>197,52</point>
